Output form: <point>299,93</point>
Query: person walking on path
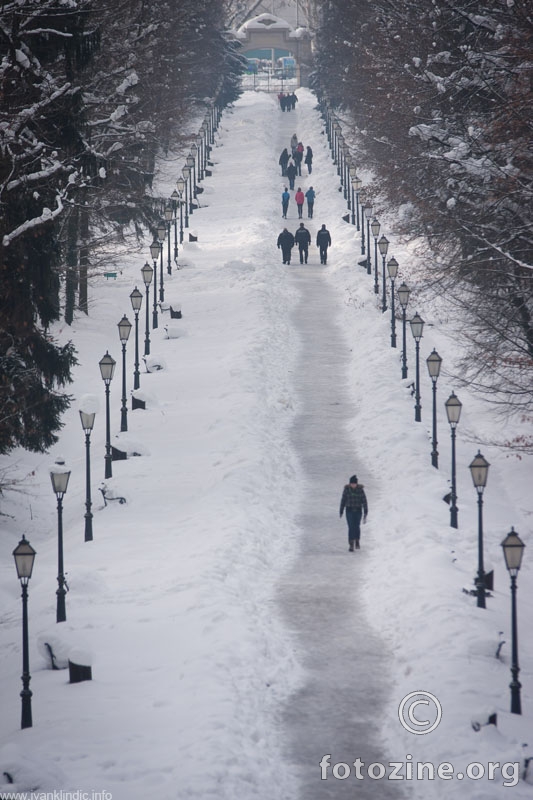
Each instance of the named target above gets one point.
<point>294,143</point>
<point>300,197</point>
<point>354,501</point>
<point>286,243</point>
<point>282,101</point>
<point>323,241</point>
<point>302,238</point>
<point>293,100</point>
<point>309,160</point>
<point>283,161</point>
<point>285,197</point>
<point>298,157</point>
<point>291,173</point>
<point>310,197</point>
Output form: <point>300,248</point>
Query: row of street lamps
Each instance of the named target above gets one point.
<point>362,213</point>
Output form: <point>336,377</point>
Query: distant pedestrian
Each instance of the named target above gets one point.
<point>294,143</point>
<point>293,100</point>
<point>354,501</point>
<point>285,197</point>
<point>286,243</point>
<point>291,173</point>
<point>300,198</point>
<point>323,241</point>
<point>282,101</point>
<point>302,237</point>
<point>309,160</point>
<point>310,197</point>
<point>283,161</point>
<point>298,156</point>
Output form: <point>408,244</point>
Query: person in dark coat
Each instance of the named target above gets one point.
<point>354,501</point>
<point>282,101</point>
<point>291,173</point>
<point>283,161</point>
<point>309,160</point>
<point>302,237</point>
<point>286,243</point>
<point>310,197</point>
<point>293,100</point>
<point>285,197</point>
<point>323,241</point>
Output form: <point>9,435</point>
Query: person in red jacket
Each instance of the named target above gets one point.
<point>300,198</point>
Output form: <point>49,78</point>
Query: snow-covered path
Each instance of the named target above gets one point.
<point>347,665</point>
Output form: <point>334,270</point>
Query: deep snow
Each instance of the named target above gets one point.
<point>201,671</point>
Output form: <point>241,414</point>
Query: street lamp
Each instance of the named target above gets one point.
<point>136,303</point>
<point>433,362</point>
<point>356,187</point>
<point>479,469</point>
<point>107,370</point>
<point>383,245</point>
<point>24,556</point>
<point>403,296</point>
<point>375,227</point>
<point>417,327</point>
<point>169,216</point>
<point>513,550</point>
<point>147,273</point>
<point>161,235</point>
<point>59,476</point>
<point>186,175</point>
<point>124,329</point>
<point>453,412</point>
<point>369,213</point>
<point>87,423</point>
<point>363,203</point>
<point>180,185</point>
<point>392,269</point>
<point>155,249</point>
<point>192,193</point>
<point>174,199</point>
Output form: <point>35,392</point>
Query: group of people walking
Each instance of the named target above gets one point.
<point>291,166</point>
<point>287,102</point>
<point>302,237</point>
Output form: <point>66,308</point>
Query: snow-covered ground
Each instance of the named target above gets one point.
<point>178,597</point>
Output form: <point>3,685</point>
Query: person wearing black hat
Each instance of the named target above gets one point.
<point>354,501</point>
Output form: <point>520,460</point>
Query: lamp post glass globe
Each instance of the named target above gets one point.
<point>24,556</point>
<point>392,268</point>
<point>59,477</point>
<point>169,213</point>
<point>136,300</point>
<point>403,293</point>
<point>513,551</point>
<point>479,469</point>
<point>180,184</point>
<point>107,368</point>
<point>87,421</point>
<point>383,245</point>
<point>147,273</point>
<point>155,249</point>
<point>161,232</point>
<point>433,362</point>
<point>417,327</point>
<point>375,227</point>
<point>124,329</point>
<point>453,409</point>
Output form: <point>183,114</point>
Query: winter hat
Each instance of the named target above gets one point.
<point>301,225</point>
<point>353,479</point>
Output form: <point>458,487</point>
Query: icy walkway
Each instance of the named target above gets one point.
<point>337,709</point>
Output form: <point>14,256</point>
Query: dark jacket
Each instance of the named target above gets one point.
<point>323,238</point>
<point>291,171</point>
<point>286,241</point>
<point>302,237</point>
<point>353,497</point>
<point>308,156</point>
<point>284,158</point>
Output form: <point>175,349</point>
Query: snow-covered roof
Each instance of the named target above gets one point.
<point>265,22</point>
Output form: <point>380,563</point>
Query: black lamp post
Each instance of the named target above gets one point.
<point>155,249</point>
<point>59,477</point>
<point>433,362</point>
<point>453,412</point>
<point>356,187</point>
<point>24,556</point>
<point>161,236</point>
<point>479,469</point>
<point>392,269</point>
<point>363,203</point>
<point>513,550</point>
<point>186,175</point>
<point>174,199</point>
<point>147,273</point>
<point>136,303</point>
<point>383,245</point>
<point>369,213</point>
<point>87,423</point>
<point>194,154</point>
<point>417,327</point>
<point>180,184</point>
<point>375,227</point>
<point>403,297</point>
<point>107,370</point>
<point>192,189</point>
<point>124,329</point>
<point>169,216</point>
<point>200,145</point>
